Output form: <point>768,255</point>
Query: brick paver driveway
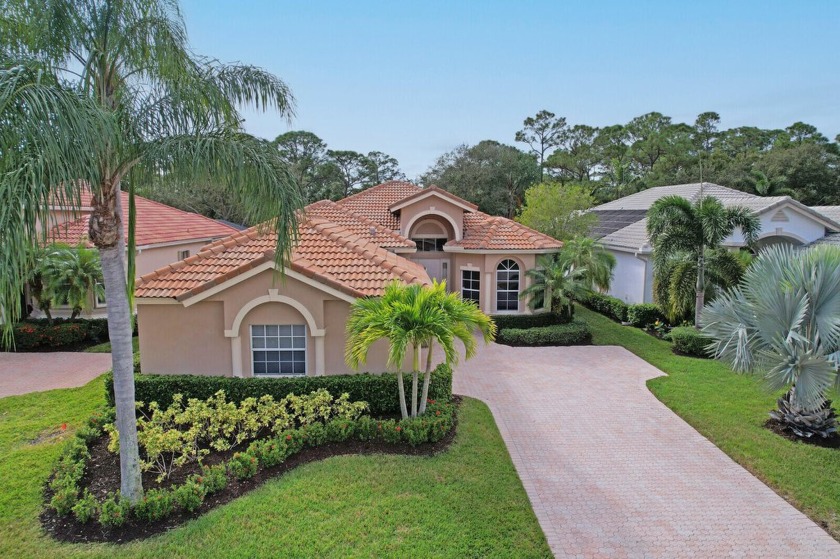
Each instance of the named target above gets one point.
<point>21,373</point>
<point>612,472</point>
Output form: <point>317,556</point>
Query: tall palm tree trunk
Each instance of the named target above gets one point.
<point>401,387</point>
<point>426,380</point>
<point>700,292</point>
<point>415,373</point>
<point>107,234</point>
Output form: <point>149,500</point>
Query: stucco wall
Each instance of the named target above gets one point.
<point>191,340</point>
<point>784,222</point>
<point>150,259</point>
<point>433,205</point>
<point>629,280</point>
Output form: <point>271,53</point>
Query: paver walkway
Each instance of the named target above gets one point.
<point>612,472</point>
<point>21,373</point>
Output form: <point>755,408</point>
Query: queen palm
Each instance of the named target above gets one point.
<point>411,317</point>
<point>783,321</point>
<point>558,279</point>
<point>70,276</point>
<point>678,227</point>
<point>128,101</point>
<point>587,254</point>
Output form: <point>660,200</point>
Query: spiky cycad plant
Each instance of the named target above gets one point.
<point>783,321</point>
<point>676,225</point>
<point>120,96</point>
<point>411,317</point>
<point>560,282</point>
<point>72,276</point>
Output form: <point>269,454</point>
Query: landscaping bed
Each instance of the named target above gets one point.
<point>102,478</point>
<point>574,333</point>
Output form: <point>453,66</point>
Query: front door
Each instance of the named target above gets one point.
<point>438,268</point>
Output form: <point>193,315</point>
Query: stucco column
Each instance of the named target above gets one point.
<point>320,356</point>
<point>488,293</point>
<point>236,355</point>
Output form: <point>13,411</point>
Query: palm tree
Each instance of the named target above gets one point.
<point>414,316</point>
<point>676,226</point>
<point>765,186</point>
<point>675,282</point>
<point>586,253</point>
<point>71,276</point>
<point>127,99</point>
<point>558,279</point>
<point>783,321</point>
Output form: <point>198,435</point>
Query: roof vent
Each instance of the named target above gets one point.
<point>779,216</point>
<point>373,231</point>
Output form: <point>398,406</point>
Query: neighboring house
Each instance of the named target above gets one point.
<point>622,229</point>
<point>225,310</point>
<point>163,235</point>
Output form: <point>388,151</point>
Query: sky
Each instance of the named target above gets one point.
<point>416,79</point>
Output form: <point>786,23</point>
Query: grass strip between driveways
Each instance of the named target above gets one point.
<point>466,502</point>
<point>106,347</point>
<point>730,410</point>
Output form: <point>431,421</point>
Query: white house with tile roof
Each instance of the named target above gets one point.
<point>225,310</point>
<point>622,229</point>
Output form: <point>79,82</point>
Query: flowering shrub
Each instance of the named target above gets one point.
<point>114,511</point>
<point>155,505</point>
<point>189,496</point>
<point>243,465</point>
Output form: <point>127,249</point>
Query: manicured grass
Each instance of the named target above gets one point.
<point>106,347</point>
<point>730,410</point>
<point>466,502</point>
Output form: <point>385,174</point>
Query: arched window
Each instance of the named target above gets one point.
<point>507,286</point>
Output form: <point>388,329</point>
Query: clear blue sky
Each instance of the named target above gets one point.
<point>415,79</point>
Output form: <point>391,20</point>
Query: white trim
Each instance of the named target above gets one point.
<point>436,223</point>
<point>155,301</point>
<point>477,271</point>
<point>432,211</point>
<point>273,297</point>
<point>470,267</point>
<point>236,355</point>
<point>488,295</point>
<point>778,233</point>
<point>519,286</point>
<point>305,352</point>
<point>320,356</point>
<point>440,194</point>
<point>262,268</point>
<point>462,250</point>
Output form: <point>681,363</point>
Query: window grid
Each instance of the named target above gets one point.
<point>430,244</point>
<point>278,349</point>
<point>507,286</point>
<point>470,285</point>
<point>183,254</point>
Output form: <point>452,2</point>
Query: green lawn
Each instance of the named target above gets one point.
<point>106,347</point>
<point>466,502</point>
<point>730,410</point>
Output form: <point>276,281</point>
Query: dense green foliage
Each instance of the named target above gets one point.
<point>379,391</point>
<point>607,305</point>
<point>70,276</point>
<point>643,315</point>
<point>346,504</point>
<point>34,334</point>
<point>558,210</point>
<point>572,333</point>
<point>535,320</point>
<point>731,411</point>
<point>688,340</point>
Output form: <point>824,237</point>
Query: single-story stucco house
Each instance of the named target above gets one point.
<point>163,235</point>
<point>225,310</point>
<point>622,229</point>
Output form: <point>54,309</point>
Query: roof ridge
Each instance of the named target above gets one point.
<point>364,219</point>
<point>376,187</point>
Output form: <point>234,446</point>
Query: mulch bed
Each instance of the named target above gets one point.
<point>103,475</point>
<point>830,442</point>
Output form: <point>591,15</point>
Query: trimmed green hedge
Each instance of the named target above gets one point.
<point>573,333</point>
<point>644,315</point>
<point>379,391</point>
<point>608,306</point>
<point>690,341</point>
<point>536,320</point>
<point>37,333</point>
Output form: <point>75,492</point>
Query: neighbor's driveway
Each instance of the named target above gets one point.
<point>21,373</point>
<point>612,472</point>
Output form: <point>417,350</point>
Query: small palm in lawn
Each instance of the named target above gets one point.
<point>675,283</point>
<point>783,321</point>
<point>70,275</point>
<point>109,91</point>
<point>411,317</point>
<point>560,281</point>
<point>677,226</point>
<point>587,254</point>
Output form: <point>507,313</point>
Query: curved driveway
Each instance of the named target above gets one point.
<point>21,373</point>
<point>612,472</point>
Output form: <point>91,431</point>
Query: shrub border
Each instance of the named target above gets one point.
<point>576,332</point>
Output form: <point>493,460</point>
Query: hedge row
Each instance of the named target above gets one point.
<point>536,320</point>
<point>608,306</point>
<point>644,315</point>
<point>379,391</point>
<point>33,334</point>
<point>573,333</point>
<point>690,341</point>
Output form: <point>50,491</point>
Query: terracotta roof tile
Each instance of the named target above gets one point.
<point>375,201</point>
<point>156,223</point>
<point>487,232</point>
<point>359,224</point>
<point>433,188</point>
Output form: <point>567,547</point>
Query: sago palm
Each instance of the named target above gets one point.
<point>587,254</point>
<point>677,226</point>
<point>120,96</point>
<point>72,276</point>
<point>783,321</point>
<point>560,282</point>
<point>411,317</point>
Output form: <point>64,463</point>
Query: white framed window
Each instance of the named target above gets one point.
<point>430,244</point>
<point>470,285</point>
<point>99,296</point>
<point>507,286</point>
<point>278,349</point>
<point>183,254</point>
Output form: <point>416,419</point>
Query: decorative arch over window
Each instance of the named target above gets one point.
<point>507,285</point>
